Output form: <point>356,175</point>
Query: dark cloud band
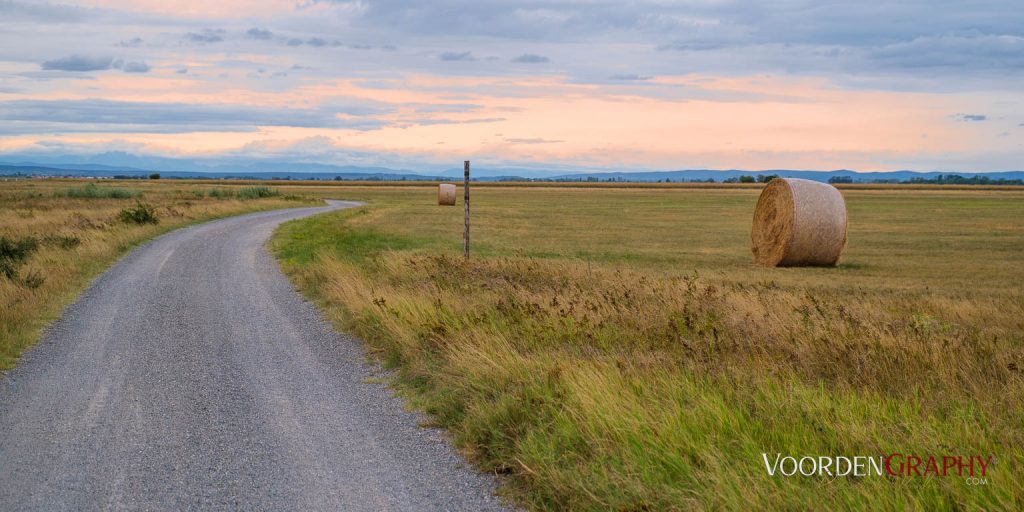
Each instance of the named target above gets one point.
<point>105,115</point>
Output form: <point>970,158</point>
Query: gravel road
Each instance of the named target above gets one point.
<point>191,376</point>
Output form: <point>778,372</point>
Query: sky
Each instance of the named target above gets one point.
<point>616,84</point>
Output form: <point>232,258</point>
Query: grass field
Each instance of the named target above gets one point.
<point>614,348</point>
<point>56,235</point>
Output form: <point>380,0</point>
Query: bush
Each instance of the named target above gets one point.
<point>92,191</point>
<point>257,192</point>
<point>14,252</point>
<point>139,214</point>
<point>62,241</point>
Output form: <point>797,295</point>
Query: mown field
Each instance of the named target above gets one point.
<point>56,235</point>
<point>615,349</point>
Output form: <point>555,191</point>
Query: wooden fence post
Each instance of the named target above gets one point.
<point>465,201</point>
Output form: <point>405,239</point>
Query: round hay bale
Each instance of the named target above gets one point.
<point>798,223</point>
<point>446,194</point>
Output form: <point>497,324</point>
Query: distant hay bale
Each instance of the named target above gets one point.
<point>446,194</point>
<point>798,223</point>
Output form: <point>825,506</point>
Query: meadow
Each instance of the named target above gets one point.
<point>56,235</point>
<point>613,348</point>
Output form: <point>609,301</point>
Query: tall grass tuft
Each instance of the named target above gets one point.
<point>62,241</point>
<point>93,191</point>
<point>14,252</point>
<point>220,193</point>
<point>141,213</point>
<point>257,192</point>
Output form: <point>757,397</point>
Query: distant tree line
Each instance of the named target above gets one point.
<point>760,178</point>
<point>956,179</point>
<point>941,179</point>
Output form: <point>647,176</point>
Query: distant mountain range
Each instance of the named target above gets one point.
<point>127,165</point>
<point>825,176</point>
<point>102,171</point>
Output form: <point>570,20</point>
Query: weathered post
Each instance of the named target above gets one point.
<point>465,202</point>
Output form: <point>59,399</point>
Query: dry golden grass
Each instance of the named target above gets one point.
<point>616,349</point>
<point>79,237</point>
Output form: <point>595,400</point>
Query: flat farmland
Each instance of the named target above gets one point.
<point>614,348</point>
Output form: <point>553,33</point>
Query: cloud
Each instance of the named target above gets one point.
<point>44,12</point>
<point>956,52</point>
<point>885,41</point>
<point>690,46</point>
<point>134,42</point>
<point>434,122</point>
<point>529,58</point>
<point>456,56</point>
<point>970,117</point>
<point>259,33</point>
<point>532,141</point>
<point>100,115</point>
<point>135,67</point>
<point>537,21</point>
<point>182,71</point>
<point>447,107</point>
<point>78,63</point>
<point>629,76</point>
<point>82,63</point>
<point>206,36</point>
<point>266,35</point>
